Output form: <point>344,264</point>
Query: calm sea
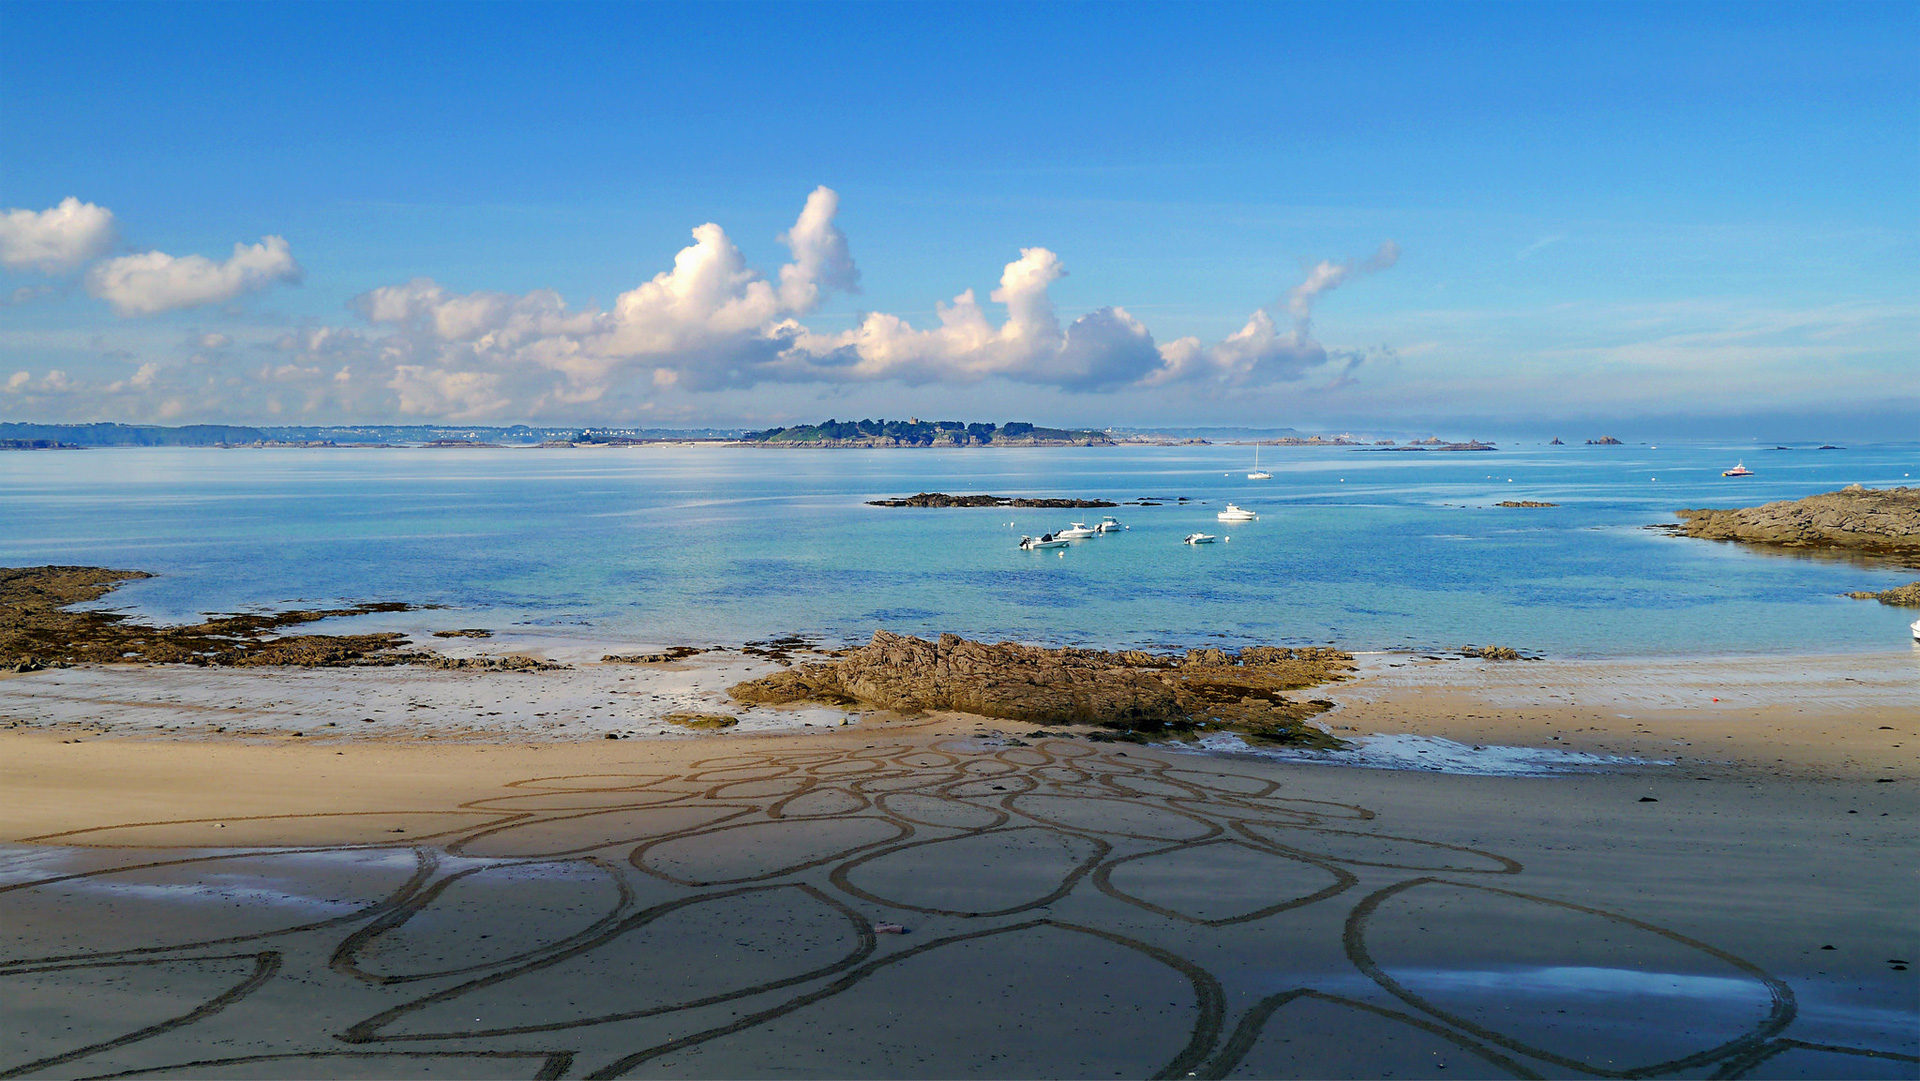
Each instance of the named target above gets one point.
<point>666,545</point>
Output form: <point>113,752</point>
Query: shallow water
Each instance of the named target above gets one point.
<point>1364,549</point>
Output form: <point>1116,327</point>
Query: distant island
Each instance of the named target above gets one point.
<point>914,432</point>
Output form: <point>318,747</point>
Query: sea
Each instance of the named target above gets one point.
<point>659,545</point>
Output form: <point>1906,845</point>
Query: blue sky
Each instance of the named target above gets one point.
<point>1363,215</point>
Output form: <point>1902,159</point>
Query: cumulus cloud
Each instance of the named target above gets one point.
<point>154,282</point>
<point>55,240</point>
<point>708,322</point>
<point>821,259</point>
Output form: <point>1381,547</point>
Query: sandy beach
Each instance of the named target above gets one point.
<point>477,887</point>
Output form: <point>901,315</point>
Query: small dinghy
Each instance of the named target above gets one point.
<point>1236,514</point>
<point>1044,540</point>
<point>1200,538</point>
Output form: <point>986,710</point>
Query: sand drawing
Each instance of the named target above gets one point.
<point>1068,909</point>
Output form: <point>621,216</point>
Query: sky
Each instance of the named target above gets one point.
<point>1380,217</point>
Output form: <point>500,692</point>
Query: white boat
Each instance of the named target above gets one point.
<point>1200,538</point>
<point>1258,473</point>
<point>1076,531</point>
<point>1044,540</point>
<point>1236,514</point>
<point>1916,630</point>
<point>1109,524</point>
<point>1739,470</point>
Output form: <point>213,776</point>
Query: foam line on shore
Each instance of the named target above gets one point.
<point>1436,755</point>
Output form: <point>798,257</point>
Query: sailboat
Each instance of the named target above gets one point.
<point>1258,473</point>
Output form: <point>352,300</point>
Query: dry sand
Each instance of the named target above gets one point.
<point>501,900</point>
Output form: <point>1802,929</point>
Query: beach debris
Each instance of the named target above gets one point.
<point>889,929</point>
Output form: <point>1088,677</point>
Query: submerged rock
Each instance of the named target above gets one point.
<point>1130,690</point>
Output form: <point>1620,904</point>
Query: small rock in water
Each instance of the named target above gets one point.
<point>1648,799</point>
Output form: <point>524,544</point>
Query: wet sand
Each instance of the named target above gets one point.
<point>519,902</point>
<point>1852,716</point>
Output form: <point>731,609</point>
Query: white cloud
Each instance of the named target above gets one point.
<point>55,240</point>
<point>154,282</point>
<point>821,260</point>
<point>708,322</point>
<point>713,322</point>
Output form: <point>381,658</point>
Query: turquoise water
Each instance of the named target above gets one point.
<point>704,545</point>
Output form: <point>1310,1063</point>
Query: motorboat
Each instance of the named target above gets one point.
<point>1044,540</point>
<point>1109,524</point>
<point>1739,470</point>
<point>1076,531</point>
<point>1235,513</point>
<point>1916,630</point>
<point>1258,473</point>
<point>1199,538</point>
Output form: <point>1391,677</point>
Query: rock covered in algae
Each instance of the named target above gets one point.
<point>1131,690</point>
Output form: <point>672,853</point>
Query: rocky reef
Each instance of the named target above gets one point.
<point>1137,693</point>
<point>1882,522</point>
<point>1495,653</point>
<point>37,630</point>
<point>1524,503</point>
<point>942,499</point>
<point>1906,596</point>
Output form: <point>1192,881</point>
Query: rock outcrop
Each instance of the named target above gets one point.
<point>1906,596</point>
<point>1523,503</point>
<point>1130,690</point>
<point>1883,522</point>
<point>1494,653</point>
<point>37,629</point>
<point>942,499</point>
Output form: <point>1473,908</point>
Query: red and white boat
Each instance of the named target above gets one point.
<point>1739,470</point>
